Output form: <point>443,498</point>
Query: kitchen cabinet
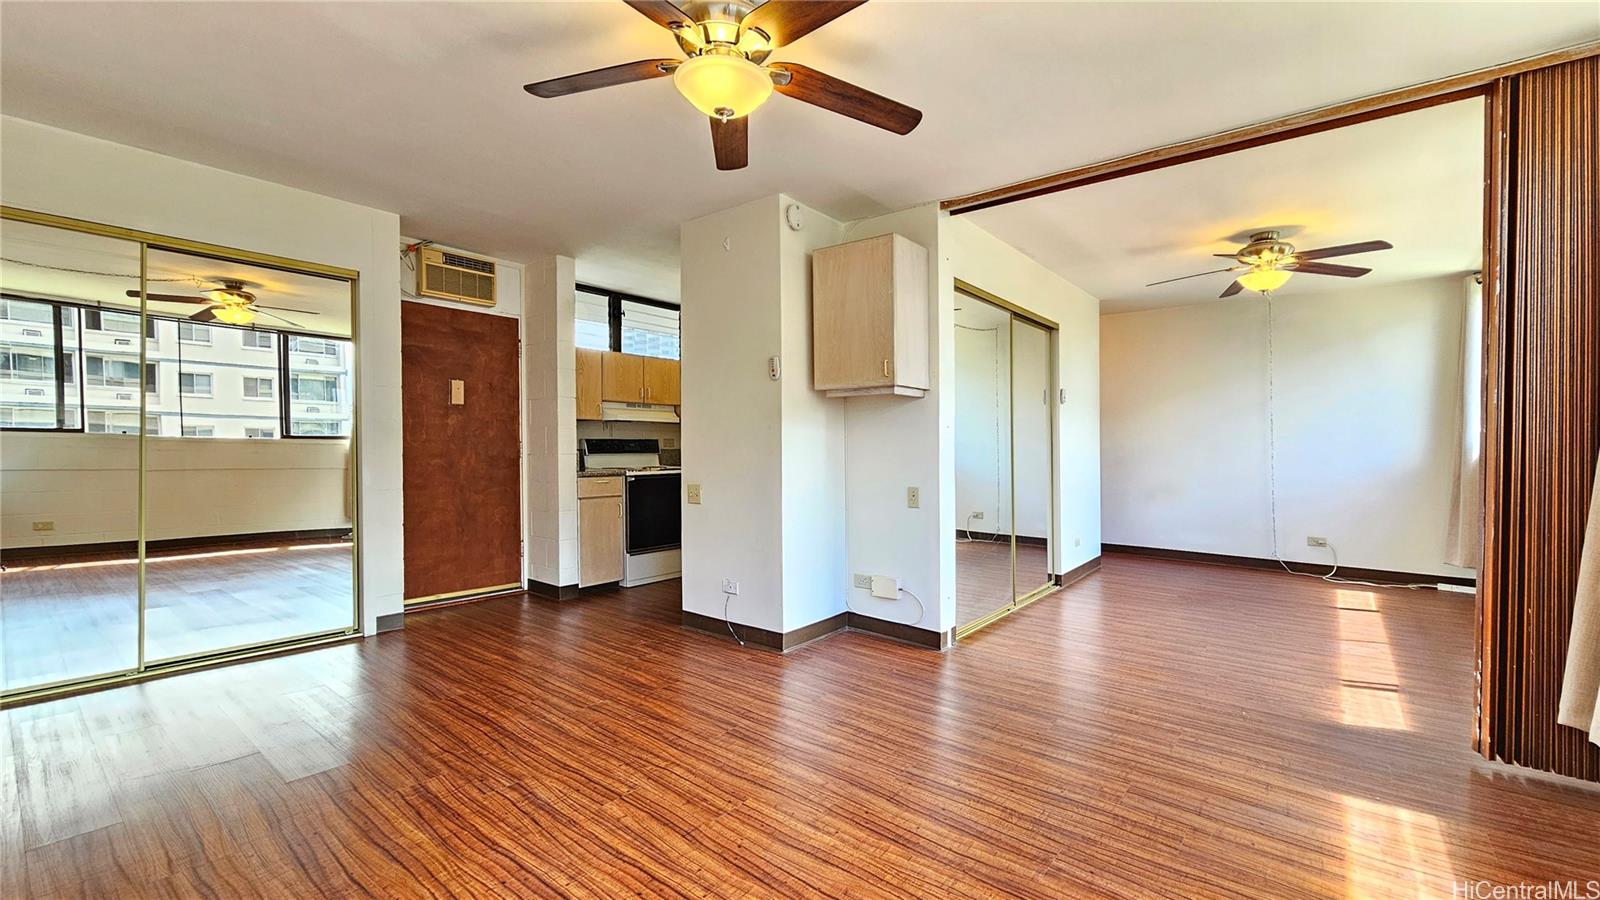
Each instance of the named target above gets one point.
<point>869,313</point>
<point>589,365</point>
<point>599,531</point>
<point>661,381</point>
<point>622,377</point>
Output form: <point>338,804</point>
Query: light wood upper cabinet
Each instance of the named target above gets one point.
<point>589,379</point>
<point>622,377</point>
<point>661,381</point>
<point>869,314</point>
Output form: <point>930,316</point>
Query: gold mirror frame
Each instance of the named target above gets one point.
<point>143,671</point>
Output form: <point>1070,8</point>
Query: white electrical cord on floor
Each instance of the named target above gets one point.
<point>1272,484</point>
<point>726,599</point>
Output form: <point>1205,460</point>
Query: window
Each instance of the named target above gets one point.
<point>123,323</point>
<point>649,330</point>
<point>318,391</point>
<point>76,368</point>
<point>257,388</point>
<point>194,384</point>
<point>105,421</point>
<point>592,325</point>
<point>607,320</point>
<point>194,333</point>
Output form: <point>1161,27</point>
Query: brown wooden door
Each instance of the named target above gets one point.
<point>462,481</point>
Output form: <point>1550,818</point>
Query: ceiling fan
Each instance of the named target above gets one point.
<point>1268,261</point>
<point>230,304</point>
<point>726,74</point>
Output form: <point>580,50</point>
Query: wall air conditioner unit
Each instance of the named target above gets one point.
<point>454,276</point>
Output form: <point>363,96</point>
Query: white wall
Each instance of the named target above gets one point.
<point>88,485</point>
<point>986,262</point>
<point>50,170</point>
<point>892,443</point>
<point>1365,399</point>
<point>550,442</point>
<point>732,413</point>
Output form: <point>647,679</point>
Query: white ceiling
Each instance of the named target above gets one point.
<point>1414,180</point>
<point>419,108</point>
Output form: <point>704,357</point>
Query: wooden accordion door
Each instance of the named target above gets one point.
<point>1542,414</point>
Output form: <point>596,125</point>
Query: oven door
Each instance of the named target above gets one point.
<point>654,518</point>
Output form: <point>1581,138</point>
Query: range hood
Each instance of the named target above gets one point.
<point>612,411</point>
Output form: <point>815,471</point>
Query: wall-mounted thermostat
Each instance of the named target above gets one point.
<point>772,368</point>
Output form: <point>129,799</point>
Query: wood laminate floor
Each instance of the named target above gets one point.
<point>1157,729</point>
<point>74,617</point>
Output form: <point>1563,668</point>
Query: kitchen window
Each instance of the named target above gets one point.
<point>611,320</point>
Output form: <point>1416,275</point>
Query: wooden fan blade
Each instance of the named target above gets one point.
<point>610,76</point>
<point>1195,275</point>
<point>280,318</point>
<point>171,298</point>
<point>1318,268</point>
<point>730,140</point>
<point>303,312</point>
<point>1232,289</point>
<point>787,21</point>
<point>204,315</point>
<point>1345,250</point>
<point>819,89</point>
<point>660,12</point>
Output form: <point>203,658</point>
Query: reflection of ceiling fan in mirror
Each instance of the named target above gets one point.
<point>1267,262</point>
<point>230,304</point>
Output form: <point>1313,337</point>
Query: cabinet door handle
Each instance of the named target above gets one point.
<point>886,368</point>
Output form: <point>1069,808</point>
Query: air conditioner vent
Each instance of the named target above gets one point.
<point>452,276</point>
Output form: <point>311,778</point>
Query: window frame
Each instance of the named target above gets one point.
<point>614,310</point>
<point>58,336</point>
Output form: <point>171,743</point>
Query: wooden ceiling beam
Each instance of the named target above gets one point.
<point>1339,115</point>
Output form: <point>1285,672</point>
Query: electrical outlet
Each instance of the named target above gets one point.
<point>1316,542</point>
<point>44,526</point>
<point>862,581</point>
<point>730,586</point>
<point>913,498</point>
<point>978,514</point>
<point>669,443</point>
<point>694,492</point>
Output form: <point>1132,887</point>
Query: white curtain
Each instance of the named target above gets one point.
<point>1580,687</point>
<point>1464,539</point>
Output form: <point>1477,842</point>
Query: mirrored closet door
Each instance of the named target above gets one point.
<point>1004,460</point>
<point>177,466</point>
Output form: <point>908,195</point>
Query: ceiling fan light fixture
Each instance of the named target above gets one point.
<point>722,85</point>
<point>234,314</point>
<point>1264,280</point>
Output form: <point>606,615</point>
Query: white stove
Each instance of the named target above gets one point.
<point>650,505</point>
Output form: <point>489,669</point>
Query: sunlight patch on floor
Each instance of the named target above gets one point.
<point>1369,684</point>
<point>1391,851</point>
